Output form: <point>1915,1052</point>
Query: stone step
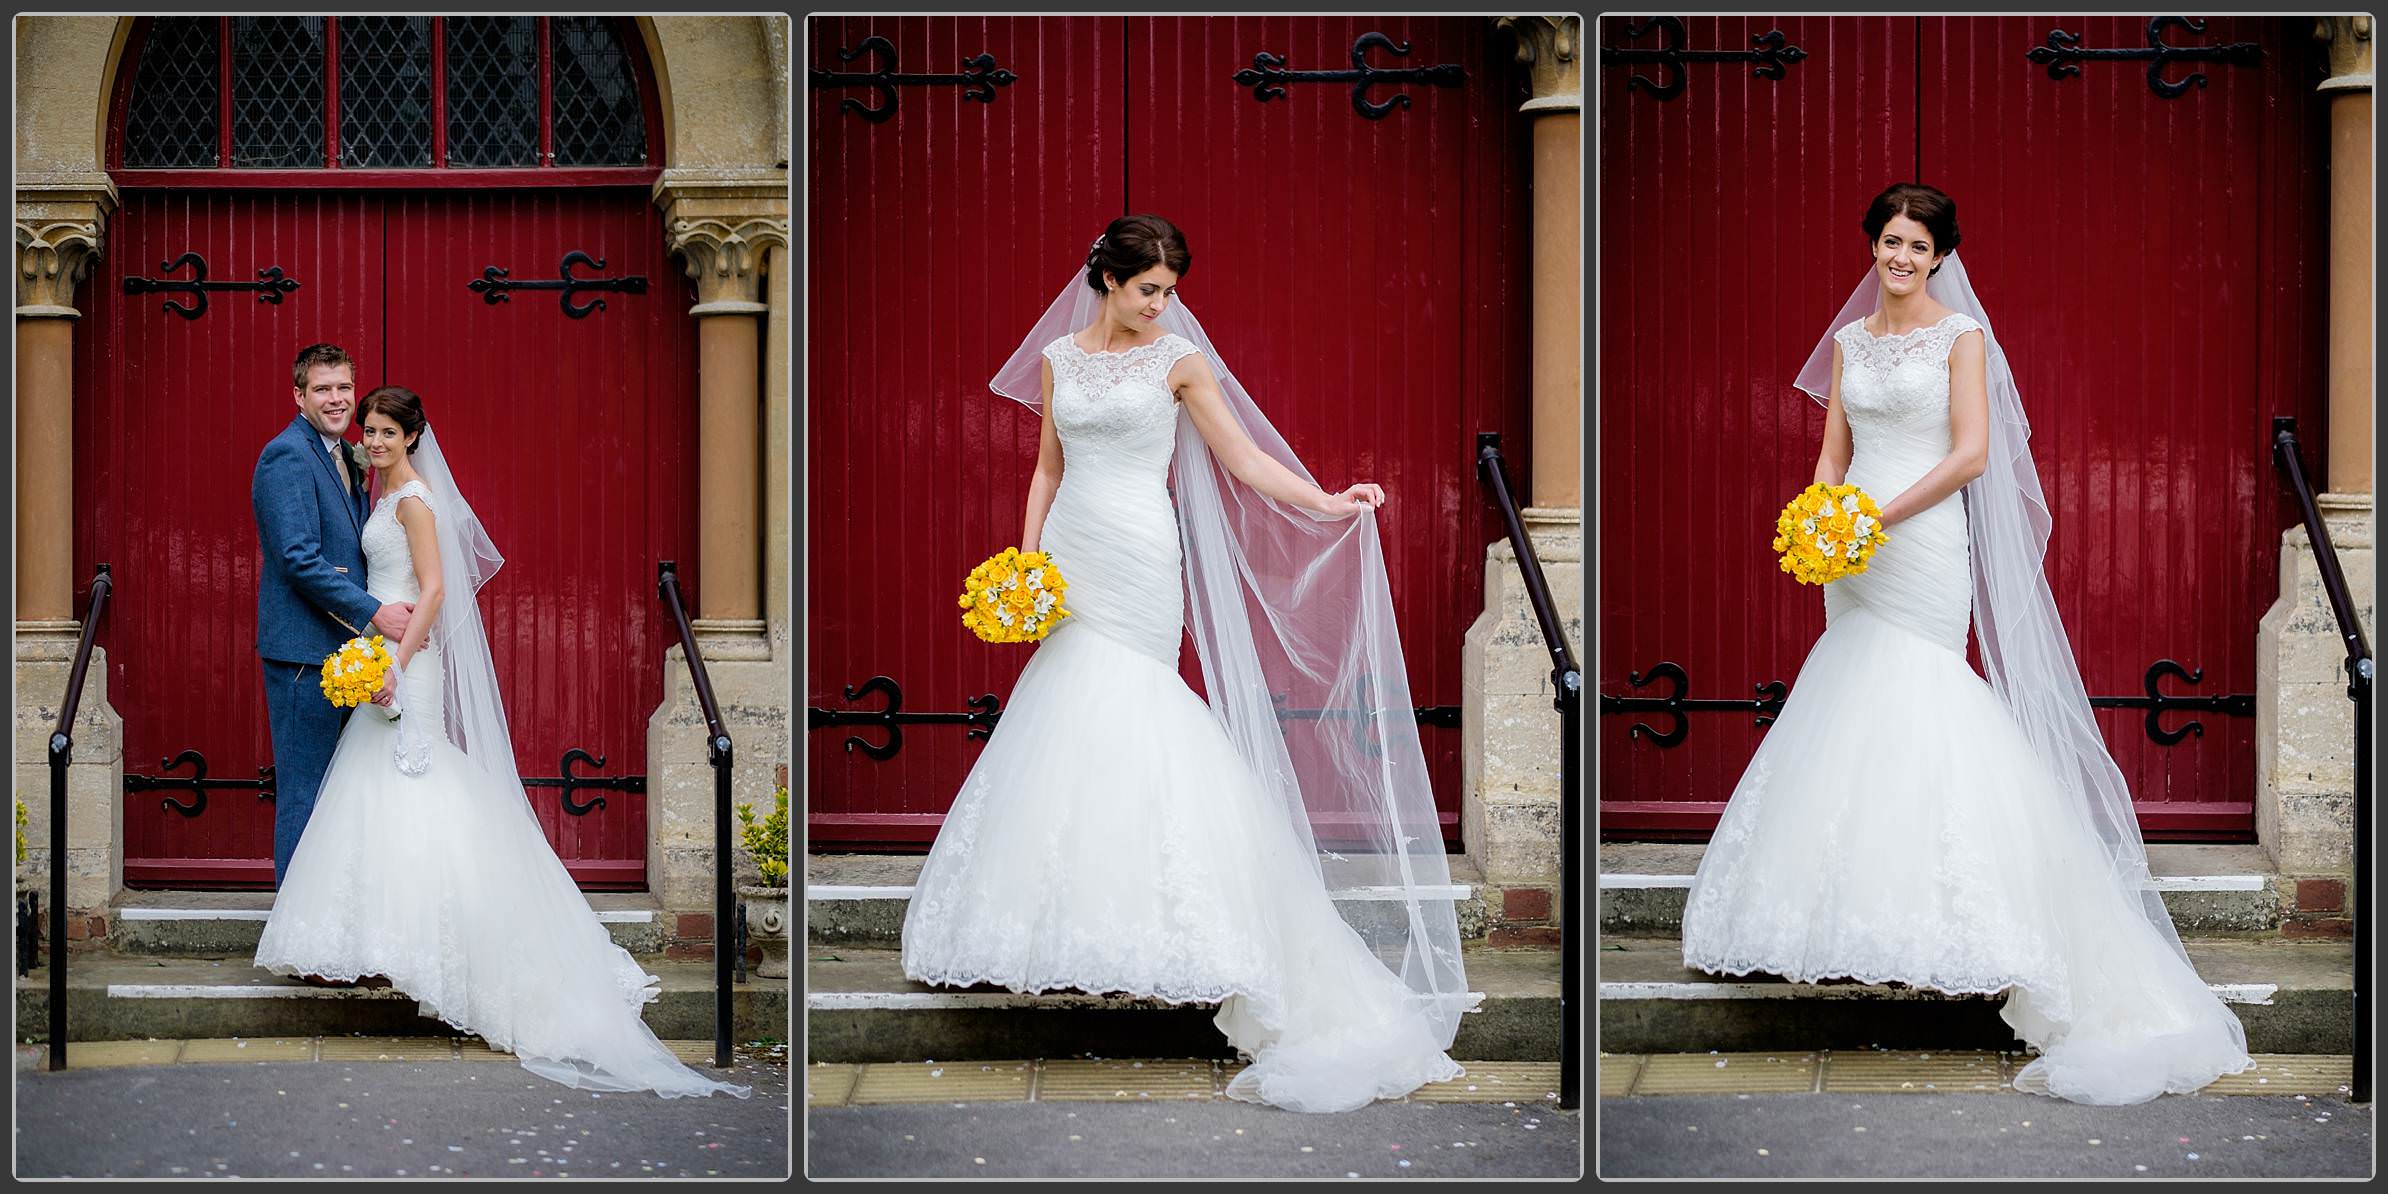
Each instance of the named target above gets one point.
<point>2292,996</point>
<point>111,997</point>
<point>859,1007</point>
<point>859,899</point>
<point>2211,890</point>
<point>226,924</point>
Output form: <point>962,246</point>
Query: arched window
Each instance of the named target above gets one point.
<point>541,99</point>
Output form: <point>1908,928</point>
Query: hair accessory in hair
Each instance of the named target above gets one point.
<point>1096,246</point>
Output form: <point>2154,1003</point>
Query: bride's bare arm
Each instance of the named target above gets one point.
<point>1047,480</point>
<point>1969,435</point>
<point>1832,462</point>
<point>422,544</point>
<point>1194,382</point>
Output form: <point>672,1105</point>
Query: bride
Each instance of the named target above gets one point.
<point>1118,835</point>
<point>422,861</point>
<point>1903,820</point>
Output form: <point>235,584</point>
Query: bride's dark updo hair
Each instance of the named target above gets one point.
<point>404,407</point>
<point>1134,244</point>
<point>1927,206</point>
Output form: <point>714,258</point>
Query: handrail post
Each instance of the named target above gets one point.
<point>1567,683</point>
<point>718,753</point>
<point>62,747</point>
<point>2359,677</point>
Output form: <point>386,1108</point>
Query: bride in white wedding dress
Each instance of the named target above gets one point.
<point>1117,834</point>
<point>422,861</point>
<point>1903,820</point>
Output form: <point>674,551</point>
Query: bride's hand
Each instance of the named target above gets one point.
<point>1363,496</point>
<point>389,685</point>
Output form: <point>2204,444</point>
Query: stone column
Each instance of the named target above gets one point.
<point>1509,728</point>
<point>731,228</point>
<point>61,220</point>
<point>2305,734</point>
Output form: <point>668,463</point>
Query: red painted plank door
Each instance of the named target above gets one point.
<point>170,414</point>
<point>937,236</point>
<point>1728,234</point>
<point>2148,264</point>
<point>575,437</point>
<point>1365,278</point>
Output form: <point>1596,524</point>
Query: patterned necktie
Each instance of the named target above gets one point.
<point>340,466</point>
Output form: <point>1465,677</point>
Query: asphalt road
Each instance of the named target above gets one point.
<point>387,1119</point>
<point>1981,1136</point>
<point>1193,1139</point>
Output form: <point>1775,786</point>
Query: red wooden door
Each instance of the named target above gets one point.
<point>1408,229</point>
<point>573,435</point>
<point>2147,261</point>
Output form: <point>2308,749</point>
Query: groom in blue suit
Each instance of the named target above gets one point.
<point>308,494</point>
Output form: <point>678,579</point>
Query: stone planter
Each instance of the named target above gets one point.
<point>767,926</point>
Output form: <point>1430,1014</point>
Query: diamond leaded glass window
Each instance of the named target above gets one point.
<point>394,78</point>
<point>277,91</point>
<point>595,95</point>
<point>172,118</point>
<point>385,91</point>
<point>493,91</point>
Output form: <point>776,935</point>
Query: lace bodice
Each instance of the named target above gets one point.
<point>389,563</point>
<point>1900,380</point>
<point>1116,402</point>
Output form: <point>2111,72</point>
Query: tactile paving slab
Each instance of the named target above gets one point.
<point>387,1048</point>
<point>1617,1073</point>
<point>88,1054</point>
<point>281,1048</point>
<point>1080,1080</point>
<point>829,1085</point>
<point>1522,1082</point>
<point>2290,1074</point>
<point>938,1082</point>
<point>1727,1073</point>
<point>1917,1072</point>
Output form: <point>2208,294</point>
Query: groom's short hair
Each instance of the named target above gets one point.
<point>319,354</point>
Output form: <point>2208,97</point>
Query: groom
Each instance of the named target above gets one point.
<point>309,498</point>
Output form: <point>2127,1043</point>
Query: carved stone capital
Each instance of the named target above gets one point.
<point>720,223</point>
<point>1551,49</point>
<point>726,259</point>
<point>2349,40</point>
<point>52,258</point>
<point>62,221</point>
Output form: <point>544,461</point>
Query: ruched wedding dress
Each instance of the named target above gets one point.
<point>1895,824</point>
<point>1110,837</point>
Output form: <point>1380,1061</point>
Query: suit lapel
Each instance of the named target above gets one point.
<point>352,498</point>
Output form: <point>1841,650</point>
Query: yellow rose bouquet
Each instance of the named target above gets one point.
<point>1828,532</point>
<point>1014,597</point>
<point>352,674</point>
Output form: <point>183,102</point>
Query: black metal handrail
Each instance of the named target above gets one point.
<point>717,752</point>
<point>2359,669</point>
<point>1567,682</point>
<point>62,749</point>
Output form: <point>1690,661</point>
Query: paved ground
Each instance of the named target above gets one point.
<point>1981,1136</point>
<point>336,1119</point>
<point>1192,1139</point>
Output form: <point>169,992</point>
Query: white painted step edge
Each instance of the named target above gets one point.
<point>2162,882</point>
<point>2252,993</point>
<point>619,916</point>
<point>832,891</point>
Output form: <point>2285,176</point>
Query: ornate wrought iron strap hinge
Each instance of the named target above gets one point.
<point>493,284</point>
<point>270,285</point>
<point>1364,731</point>
<point>978,80</point>
<point>2064,49</point>
<point>196,783</point>
<point>572,782</point>
<point>1763,708</point>
<point>891,718</point>
<point>2240,704</point>
<point>1770,54</point>
<point>1267,75</point>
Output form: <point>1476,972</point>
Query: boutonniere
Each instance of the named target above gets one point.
<point>356,457</point>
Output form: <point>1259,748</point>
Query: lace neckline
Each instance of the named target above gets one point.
<point>1072,341</point>
<point>415,486</point>
<point>1860,325</point>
